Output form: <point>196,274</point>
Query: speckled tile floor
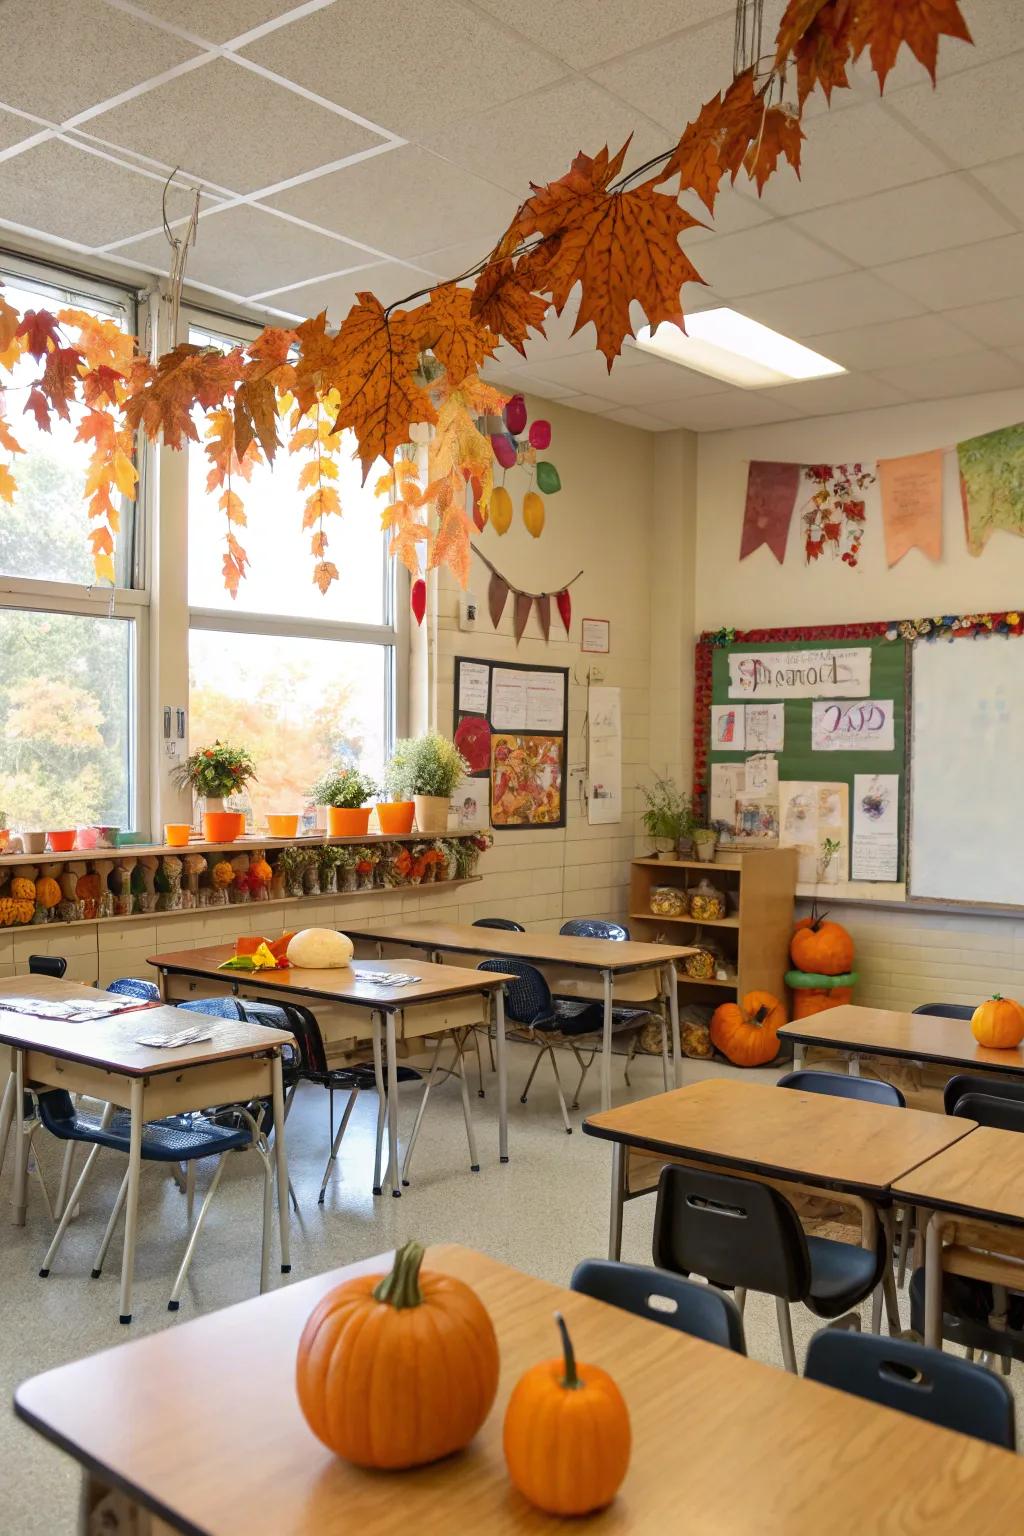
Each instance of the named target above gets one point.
<point>542,1212</point>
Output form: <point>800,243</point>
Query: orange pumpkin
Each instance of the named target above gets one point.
<point>88,888</point>
<point>998,1023</point>
<point>810,1000</point>
<point>747,1032</point>
<point>821,946</point>
<point>47,891</point>
<point>397,1370</point>
<point>567,1437</point>
<point>23,889</point>
<point>260,871</point>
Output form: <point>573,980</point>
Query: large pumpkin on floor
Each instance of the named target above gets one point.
<point>747,1032</point>
<point>319,949</point>
<point>818,945</point>
<point>567,1437</point>
<point>998,1023</point>
<point>397,1370</point>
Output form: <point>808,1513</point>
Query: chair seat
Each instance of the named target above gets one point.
<point>966,1307</point>
<point>361,1077</point>
<point>841,1274</point>
<point>176,1139</point>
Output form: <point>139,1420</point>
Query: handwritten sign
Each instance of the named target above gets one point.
<point>860,725</point>
<point>836,672</point>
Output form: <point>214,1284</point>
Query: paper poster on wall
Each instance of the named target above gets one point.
<point>526,700</point>
<point>469,803</point>
<point>474,681</point>
<point>604,756</point>
<point>804,674</point>
<point>852,726</point>
<point>526,780</point>
<point>727,727</point>
<point>744,802</point>
<point>511,727</point>
<point>765,726</point>
<point>814,819</point>
<point>876,826</point>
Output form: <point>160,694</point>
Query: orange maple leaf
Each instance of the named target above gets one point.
<point>234,564</point>
<point>715,143</point>
<point>9,323</point>
<point>8,441</point>
<point>451,546</point>
<point>7,484</point>
<point>781,134</point>
<point>882,25</point>
<point>816,33</point>
<point>316,356</point>
<point>376,356</point>
<point>448,328</point>
<point>324,572</point>
<point>323,502</point>
<point>503,299</point>
<point>256,416</point>
<point>162,397</point>
<point>39,330</point>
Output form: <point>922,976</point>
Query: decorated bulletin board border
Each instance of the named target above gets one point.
<point>512,727</point>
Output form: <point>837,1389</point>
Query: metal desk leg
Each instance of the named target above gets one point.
<point>131,1220</point>
<point>382,1096</point>
<point>392,1069</point>
<point>19,1188</point>
<point>799,1050</point>
<point>502,1064</point>
<point>6,1115</point>
<point>853,1065</point>
<point>618,1195</point>
<point>933,1283</point>
<point>281,1159</point>
<point>606,1043</point>
<point>673,1013</point>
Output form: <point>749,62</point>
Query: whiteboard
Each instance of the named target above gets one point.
<point>967,774</point>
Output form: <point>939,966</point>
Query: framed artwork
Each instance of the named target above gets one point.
<point>511,726</point>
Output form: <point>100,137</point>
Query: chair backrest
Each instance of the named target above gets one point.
<point>593,928</point>
<point>970,1083</point>
<point>699,1310</point>
<point>309,1041</point>
<point>56,1112</point>
<point>213,1007</point>
<point>946,1010</point>
<point>732,1231</point>
<point>943,1389</point>
<point>839,1086</point>
<point>499,922</point>
<point>132,986</point>
<point>988,1109</point>
<point>47,965</point>
<point>527,995</point>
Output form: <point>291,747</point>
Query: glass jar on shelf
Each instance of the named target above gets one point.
<point>707,902</point>
<point>668,901</point>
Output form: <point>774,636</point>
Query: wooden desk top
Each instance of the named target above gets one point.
<point>54,988</point>
<point>981,1175</point>
<point>540,948</point>
<point>808,1137</point>
<point>338,986</point>
<point>111,1043</point>
<point>882,1032</point>
<point>163,1418</point>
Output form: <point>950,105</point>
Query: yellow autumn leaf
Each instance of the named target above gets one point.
<point>7,485</point>
<point>231,504</point>
<point>324,573</point>
<point>104,568</point>
<point>124,473</point>
<point>321,504</point>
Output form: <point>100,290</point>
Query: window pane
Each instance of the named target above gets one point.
<point>44,534</point>
<point>65,704</point>
<point>297,705</point>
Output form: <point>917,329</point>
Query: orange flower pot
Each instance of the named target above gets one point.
<point>61,842</point>
<point>345,822</point>
<point>223,826</point>
<point>176,834</point>
<point>395,816</point>
<point>283,826</point>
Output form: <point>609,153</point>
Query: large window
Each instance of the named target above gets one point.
<point>302,681</point>
<point>70,655</point>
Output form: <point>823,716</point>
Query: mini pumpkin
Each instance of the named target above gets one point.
<point>818,945</point>
<point>998,1023</point>
<point>567,1437</point>
<point>397,1370</point>
<point>22,889</point>
<point>88,888</point>
<point>747,1032</point>
<point>47,892</point>
<point>222,874</point>
<point>260,871</point>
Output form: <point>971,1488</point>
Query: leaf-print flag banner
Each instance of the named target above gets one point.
<point>992,484</point>
<point>912,504</point>
<point>771,497</point>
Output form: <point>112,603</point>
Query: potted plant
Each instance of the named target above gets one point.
<point>396,814</point>
<point>828,864</point>
<point>705,841</point>
<point>668,817</point>
<point>428,769</point>
<point>215,773</point>
<point>345,794</point>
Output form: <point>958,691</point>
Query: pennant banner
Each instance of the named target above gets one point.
<point>497,597</point>
<point>912,504</point>
<point>992,485</point>
<point>771,497</point>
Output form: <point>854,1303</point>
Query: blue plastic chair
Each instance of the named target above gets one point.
<point>622,1018</point>
<point>499,922</point>
<point>947,1010</point>
<point>594,928</point>
<point>699,1310</point>
<point>925,1383</point>
<point>132,986</point>
<point>838,1086</point>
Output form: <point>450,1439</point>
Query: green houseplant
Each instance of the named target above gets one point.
<point>427,770</point>
<point>345,793</point>
<point>668,817</point>
<point>214,773</point>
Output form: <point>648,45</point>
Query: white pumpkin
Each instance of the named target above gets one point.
<point>320,949</point>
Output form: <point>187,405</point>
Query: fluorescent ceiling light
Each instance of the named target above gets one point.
<point>731,346</point>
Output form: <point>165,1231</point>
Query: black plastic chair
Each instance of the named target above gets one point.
<point>741,1235</point>
<point>946,1010</point>
<point>925,1383</point>
<point>661,1297</point>
<point>966,1084</point>
<point>839,1086</point>
<point>47,965</point>
<point>499,922</point>
<point>594,928</point>
<point>622,1018</point>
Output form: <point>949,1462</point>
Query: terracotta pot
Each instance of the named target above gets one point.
<point>283,826</point>
<point>61,842</point>
<point>33,842</point>
<point>431,814</point>
<point>223,826</point>
<point>344,822</point>
<point>395,816</point>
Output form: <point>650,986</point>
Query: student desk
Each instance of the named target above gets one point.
<point>162,1432</point>
<point>924,1037</point>
<point>555,954</point>
<point>444,998</point>
<point>975,1191</point>
<point>102,1059</point>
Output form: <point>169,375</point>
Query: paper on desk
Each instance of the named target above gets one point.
<point>79,1009</point>
<point>194,1035</point>
<point>388,978</point>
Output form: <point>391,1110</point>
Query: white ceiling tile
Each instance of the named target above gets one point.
<point>56,64</point>
<point>645,420</point>
<point>999,323</point>
<point>594,405</point>
<point>995,31</point>
<point>204,121</point>
<point>1005,180</point>
<point>388,280</point>
<point>767,256</point>
<point>586,32</point>
<point>844,392</point>
<point>403,202</point>
<point>451,260</point>
<point>15,129</point>
<point>216,21</point>
<point>587,372</point>
<point>831,304</point>
<point>734,209</point>
<point>246,250</point>
<point>915,339</point>
<point>733,408</point>
<point>536,138</point>
<point>670,81</point>
<point>993,269</point>
<point>408,66</point>
<point>850,154</point>
<point>973,116</point>
<point>656,381</point>
<point>907,221</point>
<point>972,373</point>
<point>90,199</point>
<point>517,380</point>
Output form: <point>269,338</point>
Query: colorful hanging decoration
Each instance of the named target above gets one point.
<point>967,626</point>
<point>911,490</point>
<point>512,451</point>
<point>991,481</point>
<point>524,603</point>
<point>771,496</point>
<point>833,516</point>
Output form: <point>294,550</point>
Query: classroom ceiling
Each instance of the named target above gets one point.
<point>382,144</point>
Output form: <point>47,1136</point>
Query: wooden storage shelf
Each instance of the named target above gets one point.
<point>695,922</point>
<point>729,862</point>
<point>240,845</point>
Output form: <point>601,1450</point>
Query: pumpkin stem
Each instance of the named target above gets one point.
<point>761,1014</point>
<point>997,997</point>
<point>401,1288</point>
<point>570,1380</point>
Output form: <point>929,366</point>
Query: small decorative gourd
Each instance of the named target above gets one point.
<point>998,1023</point>
<point>88,894</point>
<point>23,889</point>
<point>47,892</point>
<point>320,949</point>
<point>747,1032</point>
<point>567,1437</point>
<point>260,875</point>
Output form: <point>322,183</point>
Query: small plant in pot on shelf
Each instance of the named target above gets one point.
<point>214,774</point>
<point>705,841</point>
<point>397,812</point>
<point>345,793</point>
<point>427,770</point>
<point>668,817</point>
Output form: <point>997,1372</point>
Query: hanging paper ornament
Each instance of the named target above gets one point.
<point>497,597</point>
<point>504,449</point>
<point>533,513</point>
<point>515,414</point>
<point>540,434</point>
<point>524,602</point>
<point>544,614</point>
<point>547,478</point>
<point>418,599</point>
<point>564,602</point>
<point>500,509</point>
